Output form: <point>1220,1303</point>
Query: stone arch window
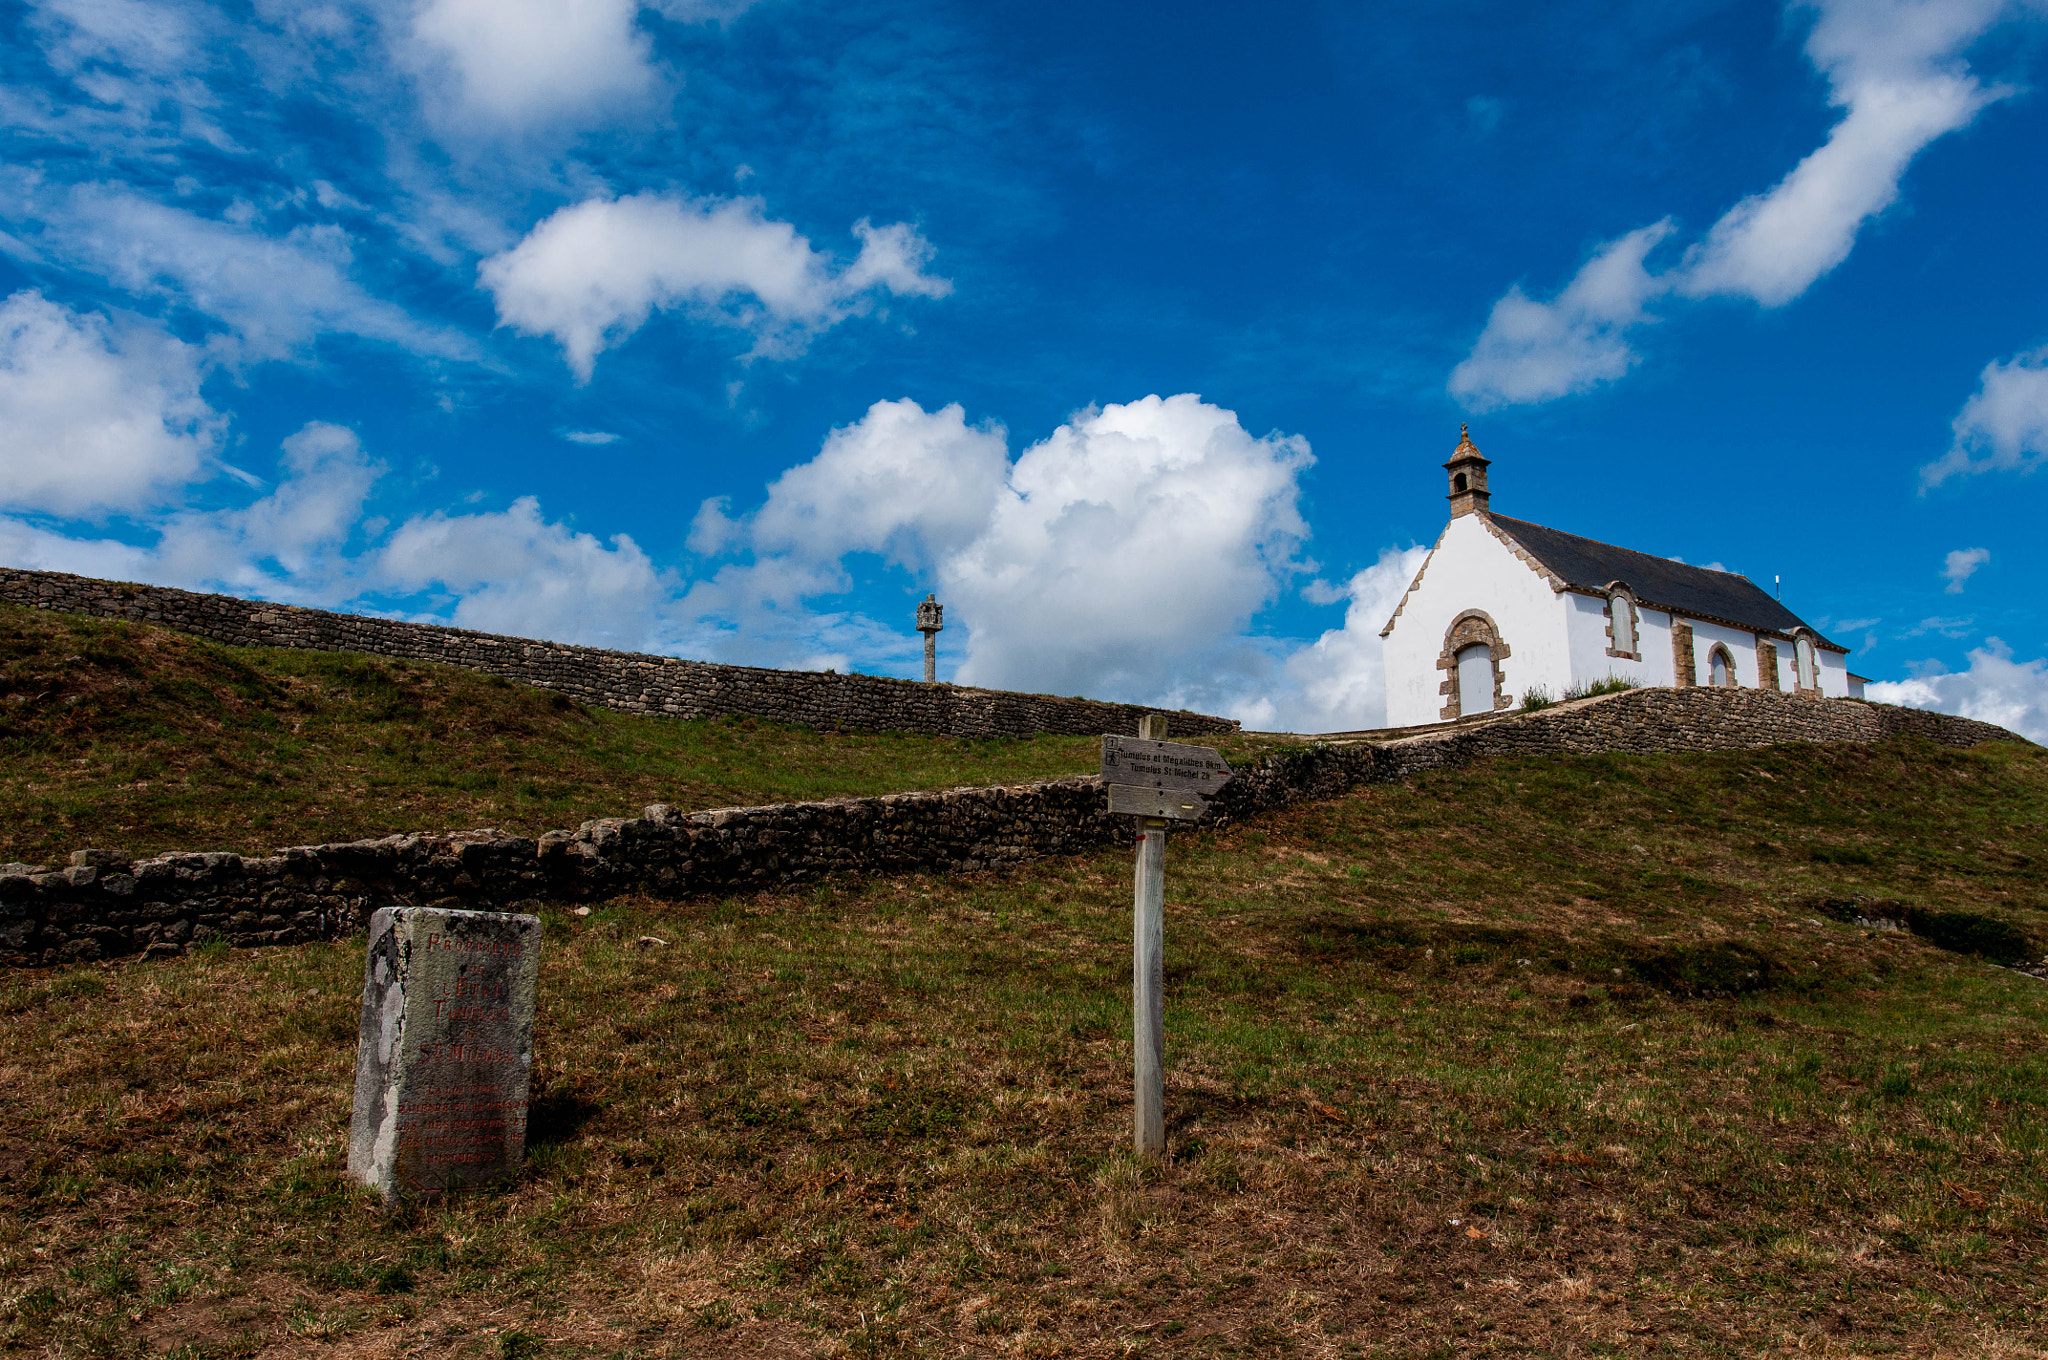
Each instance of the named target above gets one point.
<point>1460,482</point>
<point>1473,679</point>
<point>1721,668</point>
<point>1621,623</point>
<point>1804,677</point>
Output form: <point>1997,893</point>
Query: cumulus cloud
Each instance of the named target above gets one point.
<point>1894,68</point>
<point>912,485</point>
<point>592,273</point>
<point>2004,426</point>
<point>276,293</point>
<point>1996,688</point>
<point>1127,554</point>
<point>1124,554</point>
<point>1338,683</point>
<point>515,63</point>
<point>94,416</point>
<point>515,571</point>
<point>1961,565</point>
<point>1129,550</point>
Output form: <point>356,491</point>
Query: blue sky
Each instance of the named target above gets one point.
<point>1136,332</point>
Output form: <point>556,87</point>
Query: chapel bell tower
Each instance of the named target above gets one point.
<point>1468,476</point>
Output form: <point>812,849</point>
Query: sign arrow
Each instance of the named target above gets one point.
<point>1161,778</point>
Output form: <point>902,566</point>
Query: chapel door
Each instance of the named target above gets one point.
<point>1475,679</point>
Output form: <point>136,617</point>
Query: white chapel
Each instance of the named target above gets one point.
<point>1502,607</point>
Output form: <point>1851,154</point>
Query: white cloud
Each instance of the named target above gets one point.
<point>1535,351</point>
<point>515,63</point>
<point>2004,426</point>
<point>1960,565</point>
<point>1947,627</point>
<point>141,65</point>
<point>277,293</point>
<point>911,485</point>
<point>704,11</point>
<point>95,416</point>
<point>1894,67</point>
<point>307,542</point>
<point>514,571</point>
<point>1125,554</point>
<point>289,545</point>
<point>593,438</point>
<point>1891,64</point>
<point>1338,683</point>
<point>592,273</point>
<point>1997,689</point>
<point>157,37</point>
<point>1128,552</point>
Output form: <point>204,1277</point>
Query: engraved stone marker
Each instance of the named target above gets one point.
<point>446,1052</point>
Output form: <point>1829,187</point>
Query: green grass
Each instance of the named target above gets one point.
<point>147,740</point>
<point>1568,1057</point>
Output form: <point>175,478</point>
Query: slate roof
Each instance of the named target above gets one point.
<point>1720,596</point>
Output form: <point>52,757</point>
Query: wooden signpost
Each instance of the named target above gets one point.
<point>1156,781</point>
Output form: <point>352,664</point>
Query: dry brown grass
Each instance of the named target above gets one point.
<point>1455,1068</point>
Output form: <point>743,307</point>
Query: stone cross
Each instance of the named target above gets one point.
<point>931,620</point>
<point>446,1051</point>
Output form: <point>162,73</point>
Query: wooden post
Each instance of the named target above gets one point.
<point>1148,975</point>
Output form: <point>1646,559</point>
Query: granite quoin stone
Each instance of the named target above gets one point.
<point>446,1053</point>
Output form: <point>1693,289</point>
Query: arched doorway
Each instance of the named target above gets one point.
<point>1475,679</point>
<point>1471,659</point>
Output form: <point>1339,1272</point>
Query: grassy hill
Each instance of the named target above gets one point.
<point>138,737</point>
<point>1577,1057</point>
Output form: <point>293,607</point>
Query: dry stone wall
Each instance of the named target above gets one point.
<point>628,681</point>
<point>104,906</point>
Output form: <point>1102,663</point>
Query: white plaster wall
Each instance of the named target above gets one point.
<point>1833,669</point>
<point>1658,667</point>
<point>1741,645</point>
<point>1586,617</point>
<point>1471,569</point>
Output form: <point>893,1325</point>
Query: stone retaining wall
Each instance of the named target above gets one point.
<point>104,906</point>
<point>628,681</point>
